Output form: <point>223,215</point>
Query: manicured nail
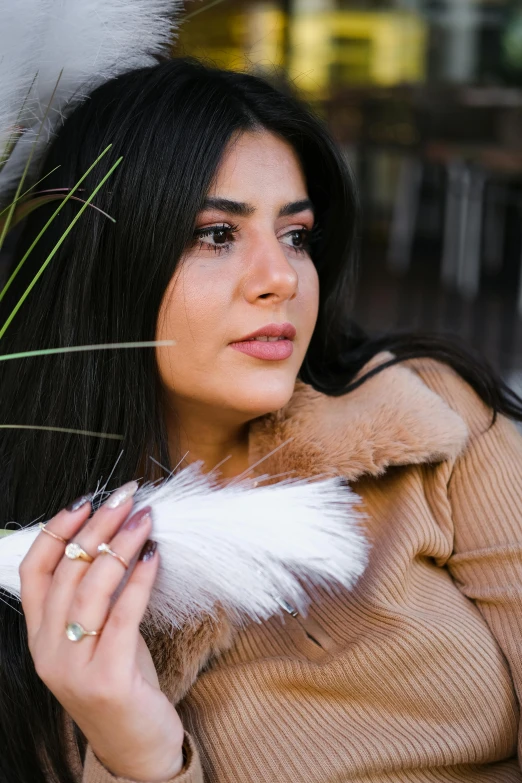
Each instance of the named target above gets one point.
<point>122,494</point>
<point>137,519</point>
<point>148,551</point>
<point>79,502</point>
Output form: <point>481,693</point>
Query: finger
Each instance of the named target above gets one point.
<point>37,567</point>
<point>92,600</point>
<point>69,573</point>
<point>121,631</point>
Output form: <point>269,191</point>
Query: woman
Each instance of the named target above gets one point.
<point>235,223</point>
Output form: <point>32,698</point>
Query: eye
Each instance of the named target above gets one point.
<point>298,239</point>
<point>216,238</point>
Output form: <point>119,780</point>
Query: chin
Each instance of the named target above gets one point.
<point>264,397</point>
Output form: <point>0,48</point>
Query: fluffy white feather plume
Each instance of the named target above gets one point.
<point>89,40</point>
<point>248,549</point>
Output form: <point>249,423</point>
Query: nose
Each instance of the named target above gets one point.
<point>271,278</point>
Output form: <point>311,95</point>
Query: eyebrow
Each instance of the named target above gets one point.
<point>241,209</point>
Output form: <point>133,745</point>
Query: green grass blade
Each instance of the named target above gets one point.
<point>78,348</point>
<point>24,208</point>
<point>59,243</point>
<point>53,216</point>
<point>107,435</point>
<point>10,144</point>
<point>200,10</point>
<point>28,163</point>
<point>12,139</point>
<point>21,196</point>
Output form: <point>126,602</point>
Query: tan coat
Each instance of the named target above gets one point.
<point>415,675</point>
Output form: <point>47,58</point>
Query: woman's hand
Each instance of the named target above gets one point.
<point>107,683</point>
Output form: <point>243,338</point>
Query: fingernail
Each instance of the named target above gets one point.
<point>79,502</point>
<point>148,551</point>
<point>122,494</point>
<point>137,519</point>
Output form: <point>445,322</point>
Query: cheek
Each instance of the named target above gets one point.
<point>194,314</point>
<point>179,313</point>
<point>192,305</point>
<point>309,296</point>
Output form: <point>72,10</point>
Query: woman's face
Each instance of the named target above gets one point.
<point>248,272</point>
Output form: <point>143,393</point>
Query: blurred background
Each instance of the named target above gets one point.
<point>425,99</point>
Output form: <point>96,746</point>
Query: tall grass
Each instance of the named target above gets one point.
<point>21,205</point>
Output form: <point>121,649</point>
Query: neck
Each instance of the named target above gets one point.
<point>210,438</point>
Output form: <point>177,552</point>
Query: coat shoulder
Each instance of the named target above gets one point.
<point>458,395</point>
<point>396,417</point>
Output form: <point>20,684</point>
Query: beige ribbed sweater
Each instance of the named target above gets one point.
<point>416,675</point>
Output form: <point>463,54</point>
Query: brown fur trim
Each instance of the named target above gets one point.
<point>179,656</point>
<point>392,419</point>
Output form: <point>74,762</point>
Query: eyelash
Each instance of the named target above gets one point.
<point>207,232</point>
<point>308,237</point>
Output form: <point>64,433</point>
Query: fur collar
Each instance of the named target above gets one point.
<point>392,419</point>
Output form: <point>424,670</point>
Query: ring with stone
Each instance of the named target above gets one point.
<point>104,549</point>
<point>75,632</point>
<point>75,552</point>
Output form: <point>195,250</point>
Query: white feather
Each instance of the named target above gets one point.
<point>245,549</point>
<point>89,41</point>
<point>18,43</point>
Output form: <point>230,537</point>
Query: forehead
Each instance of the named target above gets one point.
<point>259,164</point>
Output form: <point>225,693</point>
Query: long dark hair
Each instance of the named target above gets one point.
<point>171,123</point>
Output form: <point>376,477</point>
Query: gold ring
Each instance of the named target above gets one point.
<point>75,632</point>
<point>42,527</point>
<point>74,552</point>
<point>104,549</point>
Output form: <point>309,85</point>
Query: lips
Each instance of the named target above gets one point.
<point>286,331</point>
<point>272,342</point>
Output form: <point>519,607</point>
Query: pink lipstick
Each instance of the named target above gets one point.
<point>273,342</point>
